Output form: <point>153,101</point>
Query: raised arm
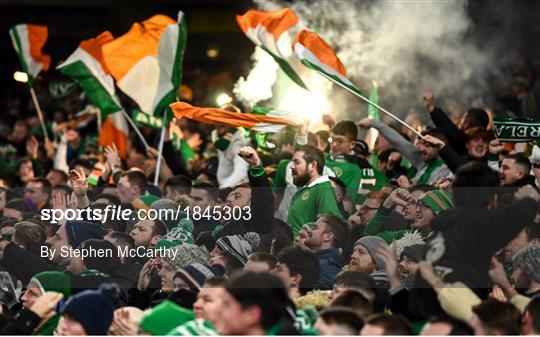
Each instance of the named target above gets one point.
<point>401,144</point>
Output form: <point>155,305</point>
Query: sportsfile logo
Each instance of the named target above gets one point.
<point>120,213</point>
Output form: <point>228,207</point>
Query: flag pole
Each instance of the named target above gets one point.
<point>136,129</point>
<point>39,112</point>
<point>160,149</point>
<point>367,100</point>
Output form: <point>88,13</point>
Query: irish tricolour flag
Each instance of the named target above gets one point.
<point>268,121</point>
<point>28,40</point>
<point>315,53</point>
<point>146,62</point>
<point>269,30</point>
<point>86,67</point>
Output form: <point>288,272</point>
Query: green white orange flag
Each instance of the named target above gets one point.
<point>316,54</point>
<point>146,62</point>
<point>273,121</point>
<point>28,40</point>
<point>269,31</point>
<point>86,67</point>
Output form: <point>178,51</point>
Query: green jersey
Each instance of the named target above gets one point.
<point>310,201</point>
<point>355,179</point>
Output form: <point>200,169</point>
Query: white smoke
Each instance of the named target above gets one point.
<point>406,47</point>
<point>258,85</point>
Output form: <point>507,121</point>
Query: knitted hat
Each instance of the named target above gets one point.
<point>438,200</point>
<point>53,281</point>
<point>528,259</point>
<point>195,274</point>
<point>93,309</point>
<point>171,219</point>
<point>186,254</point>
<point>415,252</point>
<point>372,243</point>
<point>179,235</point>
<point>408,239</point>
<point>79,231</point>
<point>144,201</point>
<point>165,317</point>
<point>239,246</point>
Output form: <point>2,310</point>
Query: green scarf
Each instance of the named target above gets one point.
<point>432,166</point>
<point>516,129</point>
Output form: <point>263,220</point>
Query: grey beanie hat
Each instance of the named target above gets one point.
<point>372,243</point>
<point>528,259</point>
<point>187,254</point>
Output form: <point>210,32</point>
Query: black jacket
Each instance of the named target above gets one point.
<point>262,209</point>
<point>456,137</point>
<point>465,239</point>
<point>453,160</point>
<point>24,265</point>
<point>24,324</point>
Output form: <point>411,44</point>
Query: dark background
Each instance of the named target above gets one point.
<point>511,25</point>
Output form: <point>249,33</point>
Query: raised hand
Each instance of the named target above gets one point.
<point>78,182</point>
<point>364,122</point>
<point>429,101</point>
<point>113,158</point>
<point>497,274</point>
<point>434,141</point>
<point>32,147</point>
<point>45,304</point>
<point>403,181</point>
<point>495,146</point>
<point>122,324</point>
<point>10,292</point>
<point>399,196</point>
<point>250,156</point>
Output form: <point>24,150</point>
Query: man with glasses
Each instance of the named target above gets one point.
<point>426,208</point>
<point>349,164</point>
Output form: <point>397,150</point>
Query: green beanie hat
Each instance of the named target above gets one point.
<point>165,317</point>
<point>53,281</point>
<point>438,200</point>
<point>181,234</point>
<point>144,201</point>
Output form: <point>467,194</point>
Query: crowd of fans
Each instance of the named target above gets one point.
<point>319,233</point>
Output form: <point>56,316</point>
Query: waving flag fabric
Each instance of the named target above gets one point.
<point>315,53</point>
<point>146,62</point>
<point>28,40</point>
<point>272,121</point>
<point>268,30</point>
<point>86,67</point>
